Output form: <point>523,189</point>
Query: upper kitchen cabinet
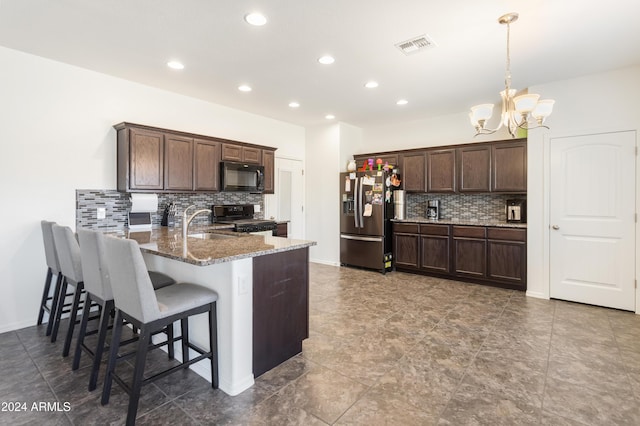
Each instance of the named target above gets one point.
<point>140,159</point>
<point>390,159</point>
<point>178,163</point>
<point>160,160</point>
<point>412,171</point>
<point>241,154</point>
<point>206,163</point>
<point>474,168</point>
<point>268,161</point>
<point>441,170</point>
<point>509,171</point>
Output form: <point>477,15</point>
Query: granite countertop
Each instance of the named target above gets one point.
<point>496,223</point>
<point>215,244</point>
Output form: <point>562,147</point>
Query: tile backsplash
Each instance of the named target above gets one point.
<point>117,205</point>
<point>481,207</point>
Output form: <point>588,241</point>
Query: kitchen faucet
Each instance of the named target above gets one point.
<point>186,220</point>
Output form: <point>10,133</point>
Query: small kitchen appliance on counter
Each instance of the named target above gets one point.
<point>399,206</point>
<point>517,211</point>
<point>433,209</point>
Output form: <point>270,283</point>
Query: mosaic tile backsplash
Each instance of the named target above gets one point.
<point>117,205</point>
<point>481,207</point>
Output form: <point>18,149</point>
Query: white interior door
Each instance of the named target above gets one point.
<point>290,194</point>
<point>592,218</point>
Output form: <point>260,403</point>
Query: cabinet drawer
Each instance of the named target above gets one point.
<point>507,234</point>
<point>434,229</point>
<point>469,231</point>
<point>406,228</point>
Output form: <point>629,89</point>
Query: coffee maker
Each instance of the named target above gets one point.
<point>433,209</point>
<point>516,211</point>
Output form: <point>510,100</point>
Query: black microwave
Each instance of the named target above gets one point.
<point>241,177</point>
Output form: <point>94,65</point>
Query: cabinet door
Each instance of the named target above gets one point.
<point>146,167</point>
<point>178,163</point>
<point>231,152</point>
<point>434,253</point>
<point>509,172</point>
<point>251,155</point>
<point>507,256</point>
<point>470,257</point>
<point>206,165</point>
<point>405,250</point>
<point>441,170</point>
<point>474,165</point>
<point>268,161</point>
<point>412,172</point>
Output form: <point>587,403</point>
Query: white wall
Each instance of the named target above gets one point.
<point>57,136</point>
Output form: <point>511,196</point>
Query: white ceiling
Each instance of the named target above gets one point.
<point>134,39</point>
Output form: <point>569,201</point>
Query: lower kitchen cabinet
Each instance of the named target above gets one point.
<point>486,255</point>
<point>405,245</point>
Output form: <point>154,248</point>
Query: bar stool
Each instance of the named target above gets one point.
<point>98,291</point>
<point>150,310</point>
<point>69,257</point>
<point>53,268</point>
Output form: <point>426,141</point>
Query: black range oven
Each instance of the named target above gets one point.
<point>241,217</point>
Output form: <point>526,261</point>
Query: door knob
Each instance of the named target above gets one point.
<point>556,227</point>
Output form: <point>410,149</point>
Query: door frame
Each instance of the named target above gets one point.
<point>546,225</point>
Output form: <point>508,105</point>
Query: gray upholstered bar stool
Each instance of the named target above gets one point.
<point>98,291</point>
<point>69,257</point>
<point>53,268</point>
<point>150,310</point>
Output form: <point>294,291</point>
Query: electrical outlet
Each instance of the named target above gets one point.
<point>101,213</point>
<point>256,208</point>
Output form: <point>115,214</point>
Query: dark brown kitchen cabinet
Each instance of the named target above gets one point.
<point>206,165</point>
<point>268,161</point>
<point>282,230</point>
<point>160,160</point>
<point>469,251</point>
<point>390,159</point>
<point>178,163</point>
<point>280,307</point>
<point>241,154</point>
<point>435,248</point>
<point>474,168</point>
<point>441,170</point>
<point>406,248</point>
<point>142,164</point>
<point>509,167</point>
<point>507,255</point>
<point>412,172</point>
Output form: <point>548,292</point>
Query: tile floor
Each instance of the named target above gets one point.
<point>397,349</point>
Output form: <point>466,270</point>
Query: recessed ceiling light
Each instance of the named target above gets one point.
<point>329,116</point>
<point>371,84</point>
<point>244,88</point>
<point>326,60</point>
<point>175,65</point>
<point>402,102</point>
<point>294,104</point>
<point>257,19</point>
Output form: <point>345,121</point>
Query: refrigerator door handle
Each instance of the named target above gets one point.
<point>355,203</point>
<point>357,238</point>
<point>360,197</point>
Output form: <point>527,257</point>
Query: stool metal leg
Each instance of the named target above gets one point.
<point>72,318</point>
<point>82,332</point>
<point>184,329</point>
<point>113,356</point>
<point>213,344</point>
<point>54,304</point>
<point>107,308</point>
<point>170,337</point>
<point>138,372</point>
<point>59,308</point>
<point>45,295</point>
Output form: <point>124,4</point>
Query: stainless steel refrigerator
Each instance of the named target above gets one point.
<point>366,207</point>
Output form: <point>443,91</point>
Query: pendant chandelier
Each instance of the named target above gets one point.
<point>518,112</point>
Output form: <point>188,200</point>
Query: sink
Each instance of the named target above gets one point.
<point>210,236</point>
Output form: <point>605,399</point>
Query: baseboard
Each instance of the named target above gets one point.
<point>537,295</point>
<point>324,262</point>
<point>5,328</point>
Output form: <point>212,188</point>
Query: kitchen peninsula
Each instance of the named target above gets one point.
<point>262,283</point>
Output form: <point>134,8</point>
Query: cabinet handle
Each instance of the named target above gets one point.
<point>555,227</point>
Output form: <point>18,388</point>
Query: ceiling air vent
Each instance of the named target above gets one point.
<point>416,44</point>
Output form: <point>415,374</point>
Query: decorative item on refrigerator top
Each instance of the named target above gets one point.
<point>365,220</point>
